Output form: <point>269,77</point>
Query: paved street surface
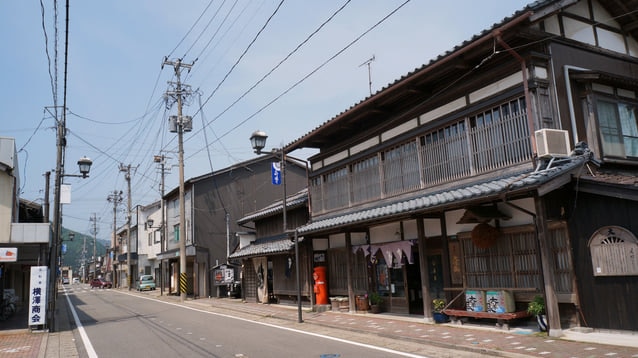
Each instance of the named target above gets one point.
<point>408,334</point>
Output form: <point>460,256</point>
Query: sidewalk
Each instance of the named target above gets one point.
<point>17,340</point>
<point>480,339</point>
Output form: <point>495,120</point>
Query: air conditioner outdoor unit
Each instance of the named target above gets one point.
<point>552,143</point>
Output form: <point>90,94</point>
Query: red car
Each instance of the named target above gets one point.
<point>101,283</point>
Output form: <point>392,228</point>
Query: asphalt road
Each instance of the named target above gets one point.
<point>120,325</point>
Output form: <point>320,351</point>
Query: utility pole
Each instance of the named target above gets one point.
<point>129,274</point>
<point>115,198</point>
<point>179,93</point>
<point>45,217</point>
<point>84,258</point>
<point>93,220</point>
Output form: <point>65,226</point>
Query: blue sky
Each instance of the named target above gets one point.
<point>115,84</point>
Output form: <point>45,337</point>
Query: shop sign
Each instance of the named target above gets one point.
<point>38,295</point>
<point>8,254</point>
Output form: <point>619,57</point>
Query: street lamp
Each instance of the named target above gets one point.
<point>258,142</point>
<point>85,166</point>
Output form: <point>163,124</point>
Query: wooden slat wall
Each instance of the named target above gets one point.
<point>439,157</point>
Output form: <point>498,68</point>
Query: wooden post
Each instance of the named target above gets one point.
<point>425,273</point>
<point>551,302</point>
<point>349,275</point>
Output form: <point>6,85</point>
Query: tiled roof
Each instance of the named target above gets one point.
<point>293,201</point>
<point>528,180</point>
<point>260,247</point>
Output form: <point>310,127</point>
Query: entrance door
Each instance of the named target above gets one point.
<point>415,290</point>
<point>435,269</point>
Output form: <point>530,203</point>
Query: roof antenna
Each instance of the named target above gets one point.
<point>368,62</point>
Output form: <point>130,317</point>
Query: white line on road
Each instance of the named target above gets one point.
<point>404,354</point>
<point>85,338</point>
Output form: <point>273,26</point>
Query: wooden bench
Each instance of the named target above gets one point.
<point>502,319</point>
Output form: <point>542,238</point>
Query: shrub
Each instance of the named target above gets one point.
<point>536,306</point>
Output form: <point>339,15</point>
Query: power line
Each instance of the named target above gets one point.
<point>243,54</point>
<point>309,74</point>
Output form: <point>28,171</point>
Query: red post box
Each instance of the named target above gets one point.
<point>320,287</point>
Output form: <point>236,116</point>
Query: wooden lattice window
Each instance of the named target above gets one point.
<point>614,252</point>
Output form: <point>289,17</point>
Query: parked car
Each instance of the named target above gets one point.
<point>65,280</point>
<point>101,283</point>
<point>76,280</point>
<point>146,282</point>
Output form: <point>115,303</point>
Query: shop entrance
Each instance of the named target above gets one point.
<point>435,270</point>
<point>415,289</point>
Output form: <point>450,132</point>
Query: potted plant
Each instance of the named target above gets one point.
<point>537,308</point>
<point>438,304</point>
<point>375,302</point>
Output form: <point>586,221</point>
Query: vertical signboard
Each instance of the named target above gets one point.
<point>275,171</point>
<point>38,295</point>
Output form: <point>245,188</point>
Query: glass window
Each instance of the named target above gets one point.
<point>618,128</point>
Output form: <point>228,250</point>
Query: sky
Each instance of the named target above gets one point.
<point>283,67</point>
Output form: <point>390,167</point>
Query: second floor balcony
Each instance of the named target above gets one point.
<point>476,145</point>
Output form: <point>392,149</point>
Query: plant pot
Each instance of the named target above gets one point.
<point>375,309</point>
<point>541,319</point>
<point>334,304</point>
<point>362,303</point>
<point>440,317</point>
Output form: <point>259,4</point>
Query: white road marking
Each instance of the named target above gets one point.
<point>85,338</point>
<point>392,351</point>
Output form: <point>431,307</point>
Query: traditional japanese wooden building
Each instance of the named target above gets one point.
<point>507,163</point>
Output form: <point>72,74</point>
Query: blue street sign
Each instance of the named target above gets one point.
<point>276,173</point>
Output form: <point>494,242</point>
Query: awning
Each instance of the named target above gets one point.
<point>266,246</point>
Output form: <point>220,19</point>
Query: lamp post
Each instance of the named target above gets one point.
<point>258,142</point>
<point>84,165</point>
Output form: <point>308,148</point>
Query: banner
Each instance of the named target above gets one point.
<point>276,173</point>
<point>38,295</point>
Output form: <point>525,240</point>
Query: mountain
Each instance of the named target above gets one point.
<point>73,254</point>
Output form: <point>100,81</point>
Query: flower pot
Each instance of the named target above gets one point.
<point>375,309</point>
<point>362,303</point>
<point>334,303</point>
<point>440,317</point>
<point>541,319</point>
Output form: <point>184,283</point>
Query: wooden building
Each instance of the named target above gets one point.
<point>507,163</point>
<point>267,253</point>
<point>214,202</point>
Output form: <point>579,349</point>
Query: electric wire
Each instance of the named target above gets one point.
<point>54,92</point>
<point>278,64</point>
<point>243,53</point>
<point>208,24</point>
<point>315,70</point>
<point>190,30</point>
